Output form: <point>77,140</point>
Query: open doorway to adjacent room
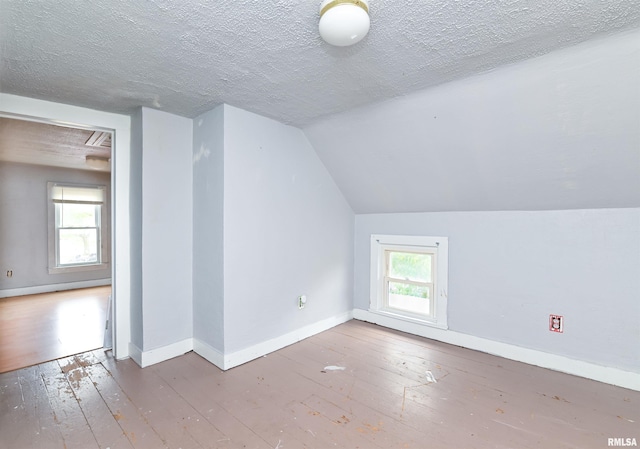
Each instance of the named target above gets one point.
<point>55,241</point>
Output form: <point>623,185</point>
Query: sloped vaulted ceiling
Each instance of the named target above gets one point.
<point>561,131</point>
<point>266,57</point>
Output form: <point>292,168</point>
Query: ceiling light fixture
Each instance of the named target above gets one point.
<point>344,22</point>
<point>98,163</point>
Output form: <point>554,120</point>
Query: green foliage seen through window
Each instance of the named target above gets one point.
<point>410,266</point>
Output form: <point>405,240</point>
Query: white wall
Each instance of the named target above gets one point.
<point>561,131</point>
<point>287,231</point>
<point>135,229</point>
<point>167,218</point>
<point>24,224</point>
<point>509,270</point>
<point>208,203</point>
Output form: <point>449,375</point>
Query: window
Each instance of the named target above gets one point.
<point>408,281</point>
<point>409,278</point>
<point>77,238</point>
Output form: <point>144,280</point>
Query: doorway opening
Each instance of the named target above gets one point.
<point>52,306</point>
<point>119,125</point>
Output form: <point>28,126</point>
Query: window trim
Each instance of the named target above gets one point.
<point>103,249</point>
<point>380,244</point>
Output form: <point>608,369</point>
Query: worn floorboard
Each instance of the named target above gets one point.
<point>355,386</point>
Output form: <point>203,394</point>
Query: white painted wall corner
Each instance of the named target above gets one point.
<point>153,356</point>
<point>136,354</point>
<point>209,353</point>
<point>228,361</point>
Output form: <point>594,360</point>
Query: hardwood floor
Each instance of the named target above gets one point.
<point>48,326</point>
<point>355,386</point>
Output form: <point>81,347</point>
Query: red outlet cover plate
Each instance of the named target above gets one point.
<point>556,323</point>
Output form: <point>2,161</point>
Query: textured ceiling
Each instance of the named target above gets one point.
<point>29,142</point>
<point>266,56</point>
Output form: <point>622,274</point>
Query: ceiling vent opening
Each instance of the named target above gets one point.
<point>100,139</point>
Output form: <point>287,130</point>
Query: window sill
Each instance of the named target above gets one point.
<point>78,268</point>
<point>410,319</point>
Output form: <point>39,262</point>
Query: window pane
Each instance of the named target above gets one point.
<point>411,298</point>
<point>78,215</point>
<point>410,266</point>
<point>78,246</point>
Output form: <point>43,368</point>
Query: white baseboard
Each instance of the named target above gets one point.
<point>253,352</point>
<point>209,353</point>
<point>136,354</point>
<point>613,376</point>
<point>53,288</point>
<point>153,356</point>
<point>228,361</point>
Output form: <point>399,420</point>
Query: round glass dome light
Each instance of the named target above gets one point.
<point>344,22</point>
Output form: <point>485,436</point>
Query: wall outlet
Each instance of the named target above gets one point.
<point>556,323</point>
<point>302,300</point>
<point>9,273</point>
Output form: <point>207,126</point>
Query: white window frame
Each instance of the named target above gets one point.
<point>103,250</point>
<point>439,246</point>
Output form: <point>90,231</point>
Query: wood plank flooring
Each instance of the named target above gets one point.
<point>354,386</point>
<point>48,326</point>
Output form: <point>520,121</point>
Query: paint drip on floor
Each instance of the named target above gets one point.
<point>430,377</point>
